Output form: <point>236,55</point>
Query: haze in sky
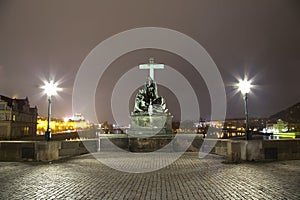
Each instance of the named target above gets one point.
<point>42,39</point>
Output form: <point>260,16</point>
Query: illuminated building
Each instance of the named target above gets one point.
<point>66,125</point>
<point>17,118</point>
<point>230,127</point>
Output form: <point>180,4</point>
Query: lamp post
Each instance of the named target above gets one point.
<point>50,89</point>
<point>244,87</point>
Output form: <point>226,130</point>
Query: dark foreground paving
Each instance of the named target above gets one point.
<point>189,177</point>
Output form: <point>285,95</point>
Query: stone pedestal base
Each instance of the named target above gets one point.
<point>145,125</point>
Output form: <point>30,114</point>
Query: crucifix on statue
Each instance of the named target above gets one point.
<point>151,66</point>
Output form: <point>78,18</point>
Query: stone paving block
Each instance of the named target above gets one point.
<point>189,177</point>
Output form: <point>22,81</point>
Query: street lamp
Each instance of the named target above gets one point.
<point>244,87</point>
<point>50,89</point>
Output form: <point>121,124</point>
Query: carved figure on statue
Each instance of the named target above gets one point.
<point>140,103</point>
<point>148,97</point>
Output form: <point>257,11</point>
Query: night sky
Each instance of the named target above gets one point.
<point>42,39</point>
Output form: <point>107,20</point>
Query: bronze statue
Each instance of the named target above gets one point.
<point>148,98</point>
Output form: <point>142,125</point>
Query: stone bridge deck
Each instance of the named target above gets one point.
<point>83,177</point>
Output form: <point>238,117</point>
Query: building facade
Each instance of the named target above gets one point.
<point>17,118</point>
<point>69,124</point>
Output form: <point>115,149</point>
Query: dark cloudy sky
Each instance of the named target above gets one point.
<point>261,38</point>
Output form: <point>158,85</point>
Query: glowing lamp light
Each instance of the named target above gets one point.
<point>50,88</point>
<point>244,86</point>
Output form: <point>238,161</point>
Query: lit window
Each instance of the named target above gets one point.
<point>26,130</point>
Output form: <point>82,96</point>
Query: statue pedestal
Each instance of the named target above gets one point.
<point>145,125</point>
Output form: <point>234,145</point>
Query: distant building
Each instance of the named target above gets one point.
<point>69,124</point>
<point>279,127</point>
<point>234,124</point>
<point>17,118</point>
<point>229,127</point>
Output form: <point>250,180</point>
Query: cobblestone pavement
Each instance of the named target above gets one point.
<point>189,177</point>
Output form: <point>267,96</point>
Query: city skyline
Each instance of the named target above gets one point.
<point>40,40</point>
